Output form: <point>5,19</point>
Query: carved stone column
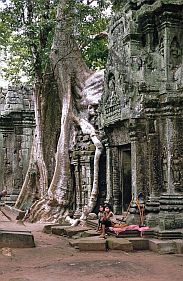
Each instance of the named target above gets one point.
<point>115,181</point>
<point>86,177</point>
<point>152,205</point>
<point>76,163</point>
<point>133,218</point>
<point>109,175</point>
<point>171,202</point>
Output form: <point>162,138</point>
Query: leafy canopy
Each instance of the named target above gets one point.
<point>27,29</point>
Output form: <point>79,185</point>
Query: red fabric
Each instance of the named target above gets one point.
<point>129,227</point>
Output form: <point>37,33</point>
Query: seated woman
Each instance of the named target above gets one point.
<point>106,221</point>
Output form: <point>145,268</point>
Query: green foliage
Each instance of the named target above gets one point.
<point>28,33</point>
<point>27,29</point>
<point>91,21</point>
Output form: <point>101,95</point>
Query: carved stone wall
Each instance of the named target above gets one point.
<point>82,161</point>
<point>142,105</point>
<point>16,134</point>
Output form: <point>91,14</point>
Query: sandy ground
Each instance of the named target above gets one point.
<point>54,260</point>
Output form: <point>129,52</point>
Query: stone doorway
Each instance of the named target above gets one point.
<point>125,176</point>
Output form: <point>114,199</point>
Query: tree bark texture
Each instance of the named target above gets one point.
<point>72,76</point>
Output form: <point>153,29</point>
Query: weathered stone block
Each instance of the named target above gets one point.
<point>15,239</point>
<point>163,247</point>
<point>71,231</point>
<point>48,228</point>
<point>139,243</point>
<point>90,244</point>
<point>59,230</point>
<point>13,213</point>
<point>92,216</point>
<point>119,244</point>
<point>74,243</point>
<point>179,245</point>
<point>89,233</point>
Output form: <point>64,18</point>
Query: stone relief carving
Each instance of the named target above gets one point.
<point>175,53</point>
<point>136,63</point>
<point>164,168</point>
<point>113,102</point>
<point>149,61</point>
<point>176,166</point>
<point>93,114</point>
<point>161,47</point>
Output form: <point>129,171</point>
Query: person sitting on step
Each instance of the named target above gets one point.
<point>100,216</point>
<point>106,221</point>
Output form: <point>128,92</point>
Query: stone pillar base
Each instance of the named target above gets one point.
<point>133,219</point>
<point>171,212</point>
<point>168,221</point>
<point>151,220</point>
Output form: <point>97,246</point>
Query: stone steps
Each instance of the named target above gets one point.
<point>98,244</point>
<point>87,239</point>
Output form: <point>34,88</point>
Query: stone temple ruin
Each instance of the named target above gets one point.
<point>142,110</point>
<point>140,117</point>
<point>16,133</point>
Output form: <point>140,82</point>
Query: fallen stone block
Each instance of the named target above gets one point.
<point>139,243</point>
<point>59,230</point>
<point>92,216</point>
<point>13,213</point>
<point>92,244</point>
<point>74,243</point>
<point>15,239</point>
<point>48,227</point>
<point>71,231</point>
<point>89,233</point>
<point>119,244</point>
<point>162,246</point>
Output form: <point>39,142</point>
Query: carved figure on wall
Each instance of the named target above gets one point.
<point>136,63</point>
<point>175,53</point>
<point>92,114</point>
<point>149,62</point>
<point>111,91</point>
<point>161,47</point>
<point>160,60</point>
<point>8,167</point>
<point>176,165</point>
<point>111,84</point>
<point>165,168</point>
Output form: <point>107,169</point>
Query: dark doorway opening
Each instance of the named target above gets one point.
<point>125,176</point>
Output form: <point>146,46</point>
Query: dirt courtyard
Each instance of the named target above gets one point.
<point>54,260</point>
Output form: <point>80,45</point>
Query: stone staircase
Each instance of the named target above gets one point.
<point>85,238</point>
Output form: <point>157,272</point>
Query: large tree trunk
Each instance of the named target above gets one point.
<point>36,181</point>
<point>71,73</point>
